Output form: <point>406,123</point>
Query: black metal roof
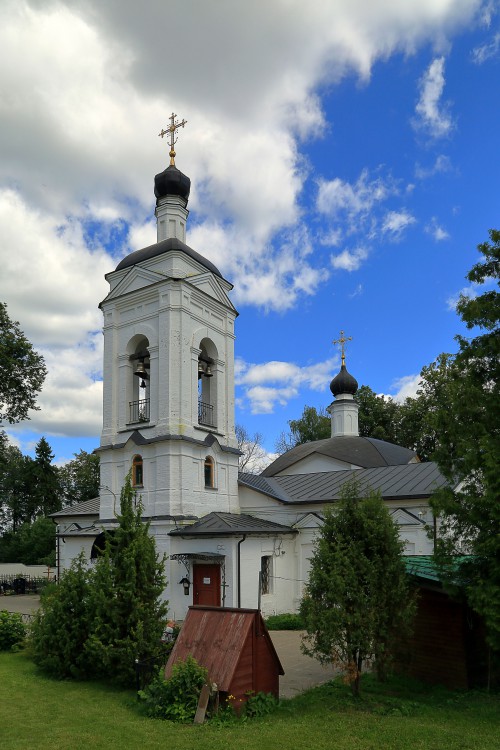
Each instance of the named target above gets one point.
<point>364,452</point>
<point>343,382</point>
<point>418,480</point>
<point>166,246</point>
<point>228,524</point>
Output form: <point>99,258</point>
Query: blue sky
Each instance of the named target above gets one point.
<point>344,167</point>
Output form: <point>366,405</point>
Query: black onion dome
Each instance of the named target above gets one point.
<point>172,182</point>
<point>343,382</point>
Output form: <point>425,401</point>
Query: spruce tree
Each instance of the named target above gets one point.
<point>129,616</point>
<point>62,624</point>
<point>357,601</point>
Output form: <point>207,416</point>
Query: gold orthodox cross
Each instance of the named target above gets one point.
<point>342,340</point>
<point>171,130</point>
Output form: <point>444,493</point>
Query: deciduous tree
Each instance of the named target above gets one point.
<point>254,457</point>
<point>80,478</point>
<point>468,446</point>
<point>22,371</point>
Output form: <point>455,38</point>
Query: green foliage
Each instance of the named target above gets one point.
<point>12,630</point>
<point>466,416</point>
<point>357,598</point>
<point>22,371</point>
<point>79,478</point>
<point>62,625</point>
<point>259,704</point>
<point>33,544</point>
<point>98,620</point>
<point>46,488</point>
<point>380,417</point>
<point>312,425</point>
<point>125,598</point>
<point>175,699</point>
<point>286,621</point>
<point>29,488</point>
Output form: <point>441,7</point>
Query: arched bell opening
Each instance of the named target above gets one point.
<point>139,387</point>
<point>207,384</point>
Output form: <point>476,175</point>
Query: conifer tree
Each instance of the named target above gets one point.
<point>129,616</point>
<point>357,599</point>
<point>63,622</point>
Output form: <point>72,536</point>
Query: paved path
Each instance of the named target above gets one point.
<point>301,672</point>
<point>26,604</point>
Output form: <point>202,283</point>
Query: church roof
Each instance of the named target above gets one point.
<point>165,246</point>
<point>406,481</point>
<point>86,508</point>
<point>364,452</point>
<point>227,524</point>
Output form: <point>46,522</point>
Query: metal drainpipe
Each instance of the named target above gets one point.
<point>239,569</point>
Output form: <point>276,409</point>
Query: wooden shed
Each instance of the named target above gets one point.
<point>448,644</point>
<point>235,647</point>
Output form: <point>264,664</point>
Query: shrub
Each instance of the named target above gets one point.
<point>177,698</point>
<point>12,630</point>
<point>285,622</point>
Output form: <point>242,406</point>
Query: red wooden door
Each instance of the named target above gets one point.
<point>206,585</point>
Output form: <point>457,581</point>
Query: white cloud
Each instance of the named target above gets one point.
<point>467,291</point>
<point>86,86</point>
<point>441,165</point>
<point>436,230</point>
<point>396,222</point>
<point>405,387</point>
<point>349,260</point>
<point>268,385</point>
<point>486,51</point>
<point>432,114</point>
<point>339,199</point>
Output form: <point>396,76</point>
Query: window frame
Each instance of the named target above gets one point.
<point>137,471</point>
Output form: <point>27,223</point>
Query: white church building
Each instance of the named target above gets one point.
<point>168,419</point>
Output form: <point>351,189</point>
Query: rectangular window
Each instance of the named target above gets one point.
<point>265,574</point>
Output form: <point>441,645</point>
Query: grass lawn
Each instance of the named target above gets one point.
<point>39,713</point>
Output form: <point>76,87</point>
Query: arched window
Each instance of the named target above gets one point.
<point>137,472</point>
<point>209,467</point>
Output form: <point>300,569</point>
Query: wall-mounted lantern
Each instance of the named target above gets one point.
<point>186,583</point>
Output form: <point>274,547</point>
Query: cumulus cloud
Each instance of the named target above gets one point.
<point>432,115</point>
<point>86,86</point>
<point>268,385</point>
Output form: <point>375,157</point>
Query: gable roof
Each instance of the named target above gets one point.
<point>86,508</point>
<point>227,524</point>
<point>408,481</point>
<point>364,452</point>
<point>215,637</point>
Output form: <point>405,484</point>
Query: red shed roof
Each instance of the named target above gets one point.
<point>215,637</point>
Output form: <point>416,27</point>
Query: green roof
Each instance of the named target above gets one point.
<point>422,566</point>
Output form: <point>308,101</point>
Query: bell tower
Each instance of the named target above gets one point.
<point>169,371</point>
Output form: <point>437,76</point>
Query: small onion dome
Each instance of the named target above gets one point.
<point>343,382</point>
<point>172,182</point>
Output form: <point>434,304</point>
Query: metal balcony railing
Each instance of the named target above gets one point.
<point>206,414</point>
<point>139,410</point>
